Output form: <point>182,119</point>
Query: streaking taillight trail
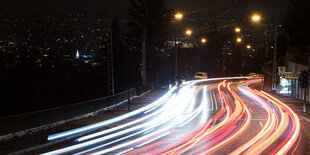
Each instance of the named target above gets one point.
<point>155,131</point>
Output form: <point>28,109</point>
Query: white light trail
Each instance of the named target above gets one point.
<point>113,120</point>
<point>131,142</point>
<point>123,125</point>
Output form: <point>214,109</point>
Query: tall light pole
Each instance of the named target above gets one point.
<point>178,16</point>
<point>274,64</point>
<point>110,61</point>
<point>188,32</point>
<point>144,38</point>
<point>257,18</point>
<point>176,57</point>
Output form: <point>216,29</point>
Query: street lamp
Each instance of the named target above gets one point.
<point>178,16</point>
<point>248,46</point>
<point>237,30</point>
<point>203,40</point>
<point>188,32</point>
<point>256,18</point>
<point>239,40</point>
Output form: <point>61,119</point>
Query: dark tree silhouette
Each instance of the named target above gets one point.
<point>153,15</point>
<point>298,24</point>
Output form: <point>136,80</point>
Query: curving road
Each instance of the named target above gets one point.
<point>214,116</point>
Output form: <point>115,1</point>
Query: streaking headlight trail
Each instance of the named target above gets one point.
<point>225,116</point>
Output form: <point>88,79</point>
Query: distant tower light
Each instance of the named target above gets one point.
<point>77,56</point>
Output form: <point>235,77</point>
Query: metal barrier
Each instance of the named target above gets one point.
<point>12,124</point>
<point>143,89</point>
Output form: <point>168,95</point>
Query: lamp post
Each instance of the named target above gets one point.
<point>257,18</point>
<point>144,38</point>
<point>177,16</point>
<point>176,57</point>
<point>188,32</point>
<point>274,64</point>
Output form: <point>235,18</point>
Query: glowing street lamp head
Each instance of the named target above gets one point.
<point>248,46</point>
<point>256,18</point>
<point>239,40</point>
<point>178,16</point>
<point>189,32</point>
<point>237,30</point>
<point>203,40</point>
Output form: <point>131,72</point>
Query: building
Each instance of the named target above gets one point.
<point>289,68</point>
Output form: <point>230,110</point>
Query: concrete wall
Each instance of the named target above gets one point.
<point>295,67</point>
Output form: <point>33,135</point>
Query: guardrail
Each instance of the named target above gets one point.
<point>17,123</point>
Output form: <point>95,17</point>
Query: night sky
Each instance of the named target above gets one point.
<point>192,7</point>
<point>238,7</point>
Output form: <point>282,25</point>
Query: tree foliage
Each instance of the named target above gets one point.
<point>298,24</point>
<point>154,17</point>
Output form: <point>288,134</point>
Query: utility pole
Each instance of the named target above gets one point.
<point>144,79</point>
<point>267,49</point>
<point>304,82</point>
<point>128,98</point>
<point>305,99</point>
<point>267,42</point>
<point>274,67</point>
<point>110,62</point>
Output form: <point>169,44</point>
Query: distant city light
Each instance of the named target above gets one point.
<point>77,56</point>
<point>248,46</point>
<point>87,56</point>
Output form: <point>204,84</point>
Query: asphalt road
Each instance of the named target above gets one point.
<point>220,117</point>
